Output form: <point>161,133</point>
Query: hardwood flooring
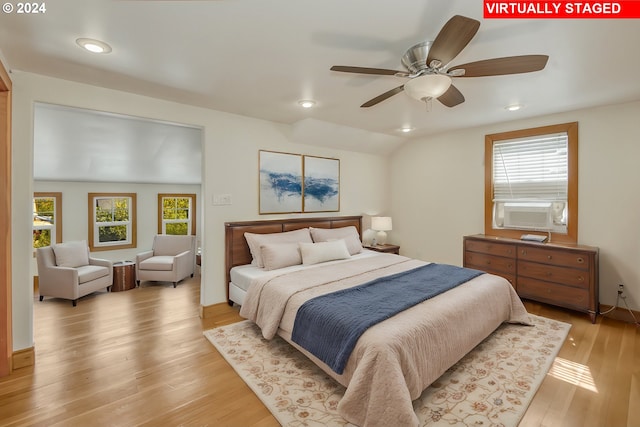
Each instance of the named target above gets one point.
<point>138,358</point>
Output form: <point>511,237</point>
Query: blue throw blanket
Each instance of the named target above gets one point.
<point>329,326</point>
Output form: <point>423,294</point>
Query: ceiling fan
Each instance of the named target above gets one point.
<point>427,71</point>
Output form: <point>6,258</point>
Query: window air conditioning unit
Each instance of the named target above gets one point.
<point>528,215</point>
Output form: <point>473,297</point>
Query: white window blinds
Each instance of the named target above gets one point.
<point>531,168</point>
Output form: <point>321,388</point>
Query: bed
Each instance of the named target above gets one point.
<point>394,360</point>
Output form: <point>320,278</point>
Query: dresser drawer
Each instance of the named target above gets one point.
<point>551,273</point>
<point>490,263</point>
<point>554,257</point>
<point>565,296</point>
<point>488,247</point>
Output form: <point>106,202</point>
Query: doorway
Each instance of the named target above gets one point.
<point>6,336</point>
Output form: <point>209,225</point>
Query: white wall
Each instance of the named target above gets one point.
<point>437,188</point>
<point>74,210</point>
<point>230,166</point>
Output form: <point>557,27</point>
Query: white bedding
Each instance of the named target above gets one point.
<point>243,275</point>
<point>396,359</point>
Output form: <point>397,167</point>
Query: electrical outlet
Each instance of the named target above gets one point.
<point>620,289</point>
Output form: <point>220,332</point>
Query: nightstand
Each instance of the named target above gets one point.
<point>389,249</point>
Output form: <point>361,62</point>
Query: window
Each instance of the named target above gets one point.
<point>176,214</point>
<point>531,182</point>
<point>47,219</point>
<point>112,221</point>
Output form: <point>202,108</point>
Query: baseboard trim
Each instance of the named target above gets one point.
<point>620,313</point>
<point>23,358</point>
<point>209,311</point>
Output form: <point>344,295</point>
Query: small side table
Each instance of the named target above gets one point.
<point>124,276</point>
<point>389,249</point>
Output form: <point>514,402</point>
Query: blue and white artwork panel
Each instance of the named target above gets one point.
<point>280,182</point>
<point>321,184</point>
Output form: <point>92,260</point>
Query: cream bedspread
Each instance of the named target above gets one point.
<point>395,360</point>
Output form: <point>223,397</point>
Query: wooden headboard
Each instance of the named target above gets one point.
<point>236,247</point>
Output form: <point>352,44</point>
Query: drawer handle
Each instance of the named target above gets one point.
<point>580,260</point>
<point>580,279</point>
<point>549,274</point>
<point>509,251</point>
<point>549,257</point>
<point>524,252</point>
<point>488,262</point>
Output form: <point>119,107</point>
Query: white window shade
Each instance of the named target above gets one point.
<point>532,168</point>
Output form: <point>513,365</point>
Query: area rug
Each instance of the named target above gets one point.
<point>491,386</point>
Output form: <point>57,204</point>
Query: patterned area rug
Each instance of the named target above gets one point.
<point>491,386</point>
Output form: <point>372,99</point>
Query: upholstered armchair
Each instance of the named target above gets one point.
<point>171,259</point>
<point>67,271</point>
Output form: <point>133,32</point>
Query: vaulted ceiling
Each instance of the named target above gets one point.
<point>259,58</point>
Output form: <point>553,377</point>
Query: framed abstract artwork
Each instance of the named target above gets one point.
<point>280,182</point>
<point>321,190</point>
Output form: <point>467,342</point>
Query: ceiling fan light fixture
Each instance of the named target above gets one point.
<point>427,86</point>
<point>93,46</point>
<point>406,129</point>
<point>513,107</point>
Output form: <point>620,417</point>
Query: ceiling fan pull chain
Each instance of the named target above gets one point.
<point>427,102</point>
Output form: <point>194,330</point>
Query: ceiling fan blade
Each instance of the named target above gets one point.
<point>451,97</point>
<point>452,38</point>
<point>502,66</point>
<point>365,70</point>
<point>382,97</point>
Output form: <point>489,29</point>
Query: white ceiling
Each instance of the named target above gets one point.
<point>258,58</point>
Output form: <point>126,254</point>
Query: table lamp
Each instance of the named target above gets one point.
<point>381,224</point>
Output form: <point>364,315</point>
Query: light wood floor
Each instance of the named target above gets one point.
<point>138,358</point>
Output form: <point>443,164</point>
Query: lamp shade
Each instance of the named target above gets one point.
<point>427,86</point>
<point>381,223</point>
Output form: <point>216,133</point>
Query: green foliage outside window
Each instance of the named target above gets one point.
<point>117,233</point>
<point>112,211</point>
<point>41,238</point>
<point>180,228</point>
<point>175,209</point>
<point>43,221</point>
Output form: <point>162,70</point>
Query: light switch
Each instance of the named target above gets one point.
<point>221,199</point>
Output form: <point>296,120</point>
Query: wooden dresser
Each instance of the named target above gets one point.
<point>559,274</point>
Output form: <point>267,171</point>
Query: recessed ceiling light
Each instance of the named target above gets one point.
<point>306,103</point>
<point>406,129</point>
<point>514,107</point>
<point>94,46</point>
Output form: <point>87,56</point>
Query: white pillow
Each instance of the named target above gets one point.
<point>280,255</point>
<point>255,241</point>
<point>349,234</point>
<point>314,253</point>
<point>71,254</point>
